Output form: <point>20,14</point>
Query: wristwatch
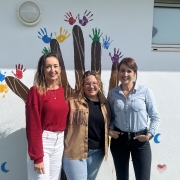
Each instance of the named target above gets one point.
<point>151,136</point>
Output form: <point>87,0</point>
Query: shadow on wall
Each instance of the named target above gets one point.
<point>13,159</point>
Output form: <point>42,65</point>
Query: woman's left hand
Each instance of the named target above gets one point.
<point>142,138</point>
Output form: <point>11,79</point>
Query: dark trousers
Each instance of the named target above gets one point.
<point>140,153</point>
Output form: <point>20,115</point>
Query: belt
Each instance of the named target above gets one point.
<point>131,134</point>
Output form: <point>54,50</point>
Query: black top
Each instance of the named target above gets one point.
<point>96,127</point>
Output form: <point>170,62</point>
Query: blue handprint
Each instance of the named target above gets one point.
<point>44,36</point>
<point>106,42</point>
<point>2,76</point>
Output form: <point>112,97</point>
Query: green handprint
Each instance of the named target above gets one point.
<point>45,50</point>
<point>96,35</point>
<point>79,64</point>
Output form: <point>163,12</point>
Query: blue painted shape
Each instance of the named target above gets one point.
<point>3,168</point>
<point>156,138</point>
<point>106,42</point>
<point>154,31</point>
<point>2,76</point>
<point>44,36</point>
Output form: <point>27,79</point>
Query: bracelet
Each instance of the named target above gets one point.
<point>151,136</point>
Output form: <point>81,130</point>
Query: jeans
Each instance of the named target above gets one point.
<point>84,169</point>
<point>140,153</point>
<point>53,146</point>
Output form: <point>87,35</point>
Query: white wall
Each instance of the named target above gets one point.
<point>129,24</point>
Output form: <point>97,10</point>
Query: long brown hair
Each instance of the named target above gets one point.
<point>39,79</point>
<point>97,76</point>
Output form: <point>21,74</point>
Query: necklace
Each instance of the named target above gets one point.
<point>53,94</point>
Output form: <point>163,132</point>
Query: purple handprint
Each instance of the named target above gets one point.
<point>117,56</point>
<point>85,18</point>
<point>106,42</point>
<point>44,36</point>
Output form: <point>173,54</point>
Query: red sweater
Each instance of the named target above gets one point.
<point>43,112</point>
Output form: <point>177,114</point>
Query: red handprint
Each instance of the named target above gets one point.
<point>69,18</point>
<point>19,71</point>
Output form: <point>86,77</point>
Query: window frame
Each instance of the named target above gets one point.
<point>166,47</point>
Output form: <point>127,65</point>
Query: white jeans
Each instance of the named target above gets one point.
<point>53,146</point>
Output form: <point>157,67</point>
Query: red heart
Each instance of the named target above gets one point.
<point>161,168</point>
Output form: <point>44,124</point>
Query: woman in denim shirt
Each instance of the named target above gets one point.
<point>131,105</point>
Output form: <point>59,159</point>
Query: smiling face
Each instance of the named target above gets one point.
<point>126,75</point>
<point>52,69</point>
<point>91,86</point>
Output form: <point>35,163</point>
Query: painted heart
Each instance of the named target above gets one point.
<point>161,168</point>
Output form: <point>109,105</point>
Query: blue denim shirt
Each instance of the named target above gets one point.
<point>131,115</point>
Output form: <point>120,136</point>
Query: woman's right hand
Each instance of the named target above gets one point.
<point>39,168</point>
<point>114,134</point>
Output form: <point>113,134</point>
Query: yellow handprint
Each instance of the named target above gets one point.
<point>62,37</point>
<point>3,89</point>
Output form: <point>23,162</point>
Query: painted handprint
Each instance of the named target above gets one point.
<point>44,36</point>
<point>85,19</point>
<point>46,50</point>
<point>106,42</point>
<point>3,89</point>
<point>117,55</point>
<point>63,35</point>
<point>114,80</point>
<point>69,18</point>
<point>19,71</point>
<point>79,65</point>
<point>2,76</point>
<point>96,35</point>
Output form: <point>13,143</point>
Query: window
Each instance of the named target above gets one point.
<point>166,26</point>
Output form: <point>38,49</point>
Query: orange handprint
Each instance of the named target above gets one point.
<point>62,37</point>
<point>79,64</point>
<point>3,89</point>
<point>19,71</point>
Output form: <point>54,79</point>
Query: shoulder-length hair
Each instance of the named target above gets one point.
<point>130,63</point>
<point>97,76</point>
<point>39,79</point>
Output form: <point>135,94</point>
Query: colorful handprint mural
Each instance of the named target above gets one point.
<point>19,71</point>
<point>117,55</point>
<point>62,36</point>
<point>44,37</point>
<point>2,76</point>
<point>85,19</point>
<point>96,35</point>
<point>79,64</point>
<point>69,18</point>
<point>106,42</point>
<point>114,80</point>
<point>46,50</point>
<point>3,89</point>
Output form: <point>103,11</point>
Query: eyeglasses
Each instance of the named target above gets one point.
<point>91,84</point>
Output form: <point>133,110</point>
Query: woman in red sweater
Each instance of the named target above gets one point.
<point>46,112</point>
